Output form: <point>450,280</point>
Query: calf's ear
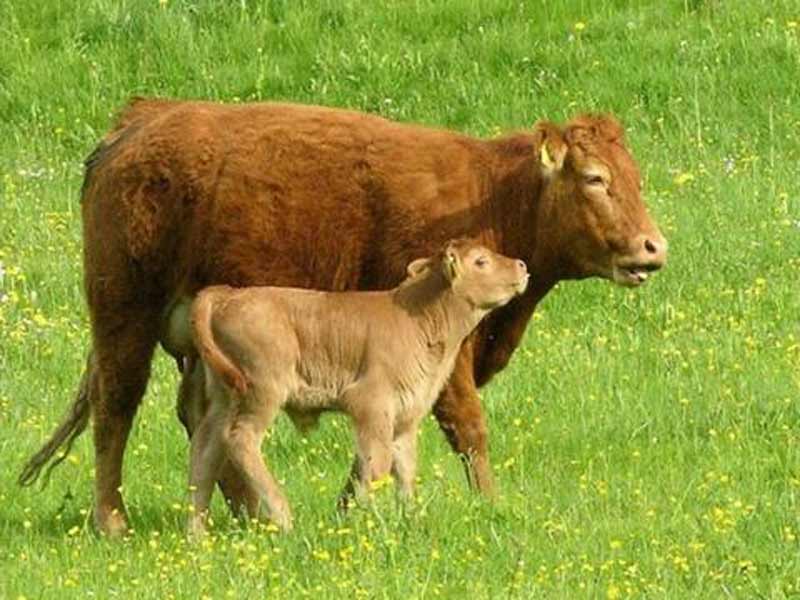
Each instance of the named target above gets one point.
<point>418,266</point>
<point>451,263</point>
<point>551,147</point>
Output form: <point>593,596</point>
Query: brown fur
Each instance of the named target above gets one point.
<point>381,357</point>
<point>181,195</point>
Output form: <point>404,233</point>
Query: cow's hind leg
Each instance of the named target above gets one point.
<point>460,416</point>
<point>123,351</point>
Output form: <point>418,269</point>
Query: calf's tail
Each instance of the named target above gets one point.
<point>212,355</point>
<point>72,425</point>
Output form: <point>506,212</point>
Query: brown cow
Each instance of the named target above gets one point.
<point>181,195</point>
<point>380,357</point>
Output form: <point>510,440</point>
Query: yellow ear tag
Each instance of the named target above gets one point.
<point>547,160</point>
<point>450,261</point>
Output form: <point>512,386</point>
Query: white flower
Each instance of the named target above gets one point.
<point>728,164</point>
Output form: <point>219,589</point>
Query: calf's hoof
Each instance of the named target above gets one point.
<point>282,521</point>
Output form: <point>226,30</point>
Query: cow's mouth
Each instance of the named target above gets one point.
<point>633,275</point>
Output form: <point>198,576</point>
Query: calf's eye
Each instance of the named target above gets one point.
<point>594,180</point>
<point>481,262</point>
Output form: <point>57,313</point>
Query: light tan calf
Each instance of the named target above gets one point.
<point>381,357</point>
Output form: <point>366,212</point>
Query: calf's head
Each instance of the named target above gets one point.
<point>485,279</point>
<point>591,211</point>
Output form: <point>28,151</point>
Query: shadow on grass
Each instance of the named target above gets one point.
<point>38,516</point>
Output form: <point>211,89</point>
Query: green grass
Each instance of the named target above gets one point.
<point>646,443</point>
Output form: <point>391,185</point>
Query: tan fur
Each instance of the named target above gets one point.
<point>204,338</point>
<point>380,357</point>
<point>182,195</point>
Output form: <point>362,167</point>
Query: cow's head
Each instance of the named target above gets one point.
<point>591,211</point>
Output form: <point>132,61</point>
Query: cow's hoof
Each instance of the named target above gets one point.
<point>111,524</point>
<point>196,530</point>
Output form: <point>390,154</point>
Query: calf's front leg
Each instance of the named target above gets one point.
<point>373,423</point>
<point>404,461</point>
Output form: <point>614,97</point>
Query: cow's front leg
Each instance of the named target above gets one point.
<point>460,416</point>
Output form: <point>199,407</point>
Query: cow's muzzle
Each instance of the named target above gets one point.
<point>649,255</point>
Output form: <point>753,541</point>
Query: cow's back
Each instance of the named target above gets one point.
<point>281,194</point>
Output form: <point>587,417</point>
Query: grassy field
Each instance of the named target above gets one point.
<point>646,443</point>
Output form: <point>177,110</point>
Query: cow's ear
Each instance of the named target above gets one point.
<point>551,148</point>
<point>419,266</point>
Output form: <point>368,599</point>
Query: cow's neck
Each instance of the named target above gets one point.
<point>513,215</point>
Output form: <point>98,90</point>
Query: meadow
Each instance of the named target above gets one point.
<point>646,443</point>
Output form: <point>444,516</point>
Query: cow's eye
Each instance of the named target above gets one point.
<point>481,262</point>
<point>594,180</point>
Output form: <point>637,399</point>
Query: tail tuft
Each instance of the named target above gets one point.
<point>71,426</point>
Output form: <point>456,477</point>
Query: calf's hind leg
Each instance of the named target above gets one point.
<point>243,449</point>
<point>191,408</point>
<point>207,458</point>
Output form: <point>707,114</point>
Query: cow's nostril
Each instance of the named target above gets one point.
<point>650,247</point>
<point>521,264</point>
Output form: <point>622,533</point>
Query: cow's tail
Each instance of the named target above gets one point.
<point>72,425</point>
<point>212,355</point>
